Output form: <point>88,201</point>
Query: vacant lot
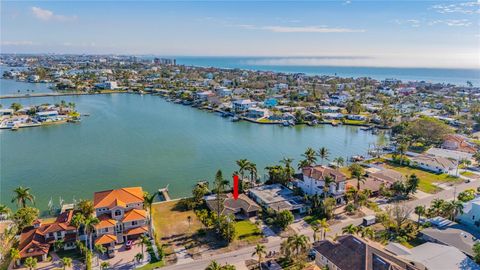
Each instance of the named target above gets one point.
<point>247,231</point>
<point>169,221</point>
<point>426,178</point>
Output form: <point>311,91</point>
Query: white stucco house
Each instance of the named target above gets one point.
<point>313,181</point>
<point>471,213</point>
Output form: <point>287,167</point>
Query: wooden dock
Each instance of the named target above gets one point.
<point>164,192</point>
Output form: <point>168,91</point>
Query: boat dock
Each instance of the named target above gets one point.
<point>164,193</point>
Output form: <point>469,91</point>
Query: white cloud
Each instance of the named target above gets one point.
<point>348,2</point>
<point>410,22</point>
<point>48,15</point>
<point>465,8</point>
<point>17,43</point>
<point>463,22</point>
<point>301,29</point>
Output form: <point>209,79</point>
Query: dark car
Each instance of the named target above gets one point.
<point>129,244</point>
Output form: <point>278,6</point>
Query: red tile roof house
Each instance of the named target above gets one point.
<point>121,215</point>
<point>312,181</point>
<point>458,143</point>
<point>37,240</point>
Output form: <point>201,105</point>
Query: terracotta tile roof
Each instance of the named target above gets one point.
<point>105,222</point>
<point>319,172</point>
<point>118,197</point>
<point>135,214</point>
<point>459,143</point>
<point>106,239</point>
<point>137,230</point>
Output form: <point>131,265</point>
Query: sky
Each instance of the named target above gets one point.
<point>343,33</point>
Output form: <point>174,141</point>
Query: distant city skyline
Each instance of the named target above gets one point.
<point>337,33</point>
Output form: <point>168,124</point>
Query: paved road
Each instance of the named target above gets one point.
<point>239,256</point>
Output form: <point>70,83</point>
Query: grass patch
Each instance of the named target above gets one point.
<point>426,178</point>
<point>467,174</point>
<point>169,220</point>
<point>413,243</point>
<point>248,231</point>
<point>264,120</point>
<point>354,122</point>
<point>74,254</point>
<point>151,266</point>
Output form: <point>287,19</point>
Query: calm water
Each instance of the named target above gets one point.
<point>294,65</point>
<point>8,87</point>
<point>144,140</point>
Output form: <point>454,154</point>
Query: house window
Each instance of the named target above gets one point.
<point>118,213</point>
<point>59,233</point>
<point>106,229</point>
<point>134,223</point>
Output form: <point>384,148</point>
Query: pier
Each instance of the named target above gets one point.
<point>164,193</point>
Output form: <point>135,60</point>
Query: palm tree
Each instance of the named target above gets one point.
<point>367,232</point>
<point>30,263</point>
<point>148,202</point>
<point>214,265</point>
<point>89,226</point>
<point>315,229</point>
<point>328,180</point>
<point>77,221</point>
<point>66,262</point>
<point>104,265</point>
<point>4,210</point>
<point>350,229</point>
<point>310,156</point>
<point>15,255</point>
<point>100,249</point>
<point>402,149</point>
<point>323,153</point>
<point>302,164</point>
<point>22,195</point>
<point>252,168</point>
<point>288,167</point>
<point>260,251</point>
<point>138,257</point>
<point>243,166</point>
<point>358,173</point>
<point>86,208</point>
<point>299,243</point>
<point>339,161</point>
<point>58,244</point>
<point>323,224</point>
<point>143,241</point>
<point>420,211</point>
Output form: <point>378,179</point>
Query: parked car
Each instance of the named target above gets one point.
<point>128,244</point>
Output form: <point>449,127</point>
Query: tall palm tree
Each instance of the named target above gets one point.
<point>299,244</point>
<point>243,166</point>
<point>252,168</point>
<point>315,229</point>
<point>323,224</point>
<point>100,249</point>
<point>310,156</point>
<point>420,211</point>
<point>260,251</point>
<point>326,188</point>
<point>402,149</point>
<point>89,226</point>
<point>86,208</point>
<point>77,221</point>
<point>220,185</point>
<point>303,163</point>
<point>143,241</point>
<point>288,167</point>
<point>148,202</point>
<point>339,161</point>
<point>358,173</point>
<point>323,153</point>
<point>66,262</point>
<point>22,195</point>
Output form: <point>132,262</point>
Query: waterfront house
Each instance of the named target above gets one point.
<point>257,113</point>
<point>349,252</point>
<point>242,104</point>
<point>471,213</point>
<point>6,112</point>
<point>277,198</point>
<point>242,208</point>
<point>203,96</point>
<point>223,92</point>
<point>435,164</point>
<point>270,102</point>
<point>46,115</point>
<point>450,154</point>
<point>312,181</point>
<point>356,117</point>
<point>121,215</point>
<point>386,176</point>
<point>37,240</point>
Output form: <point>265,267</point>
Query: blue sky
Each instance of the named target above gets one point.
<point>363,33</point>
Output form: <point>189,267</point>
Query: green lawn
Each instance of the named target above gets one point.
<point>151,266</point>
<point>426,178</point>
<point>354,122</point>
<point>74,254</point>
<point>247,230</point>
<point>467,174</point>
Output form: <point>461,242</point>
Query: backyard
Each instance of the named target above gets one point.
<point>247,231</point>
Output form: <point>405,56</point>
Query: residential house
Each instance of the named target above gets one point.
<point>471,213</point>
<point>277,198</point>
<point>223,92</point>
<point>459,143</point>
<point>433,256</point>
<point>242,104</point>
<point>450,154</point>
<point>203,96</point>
<point>257,113</point>
<point>435,164</point>
<point>349,252</point>
<point>312,181</point>
<point>384,175</point>
<point>451,234</point>
<point>242,208</point>
<point>37,240</point>
<point>122,208</point>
